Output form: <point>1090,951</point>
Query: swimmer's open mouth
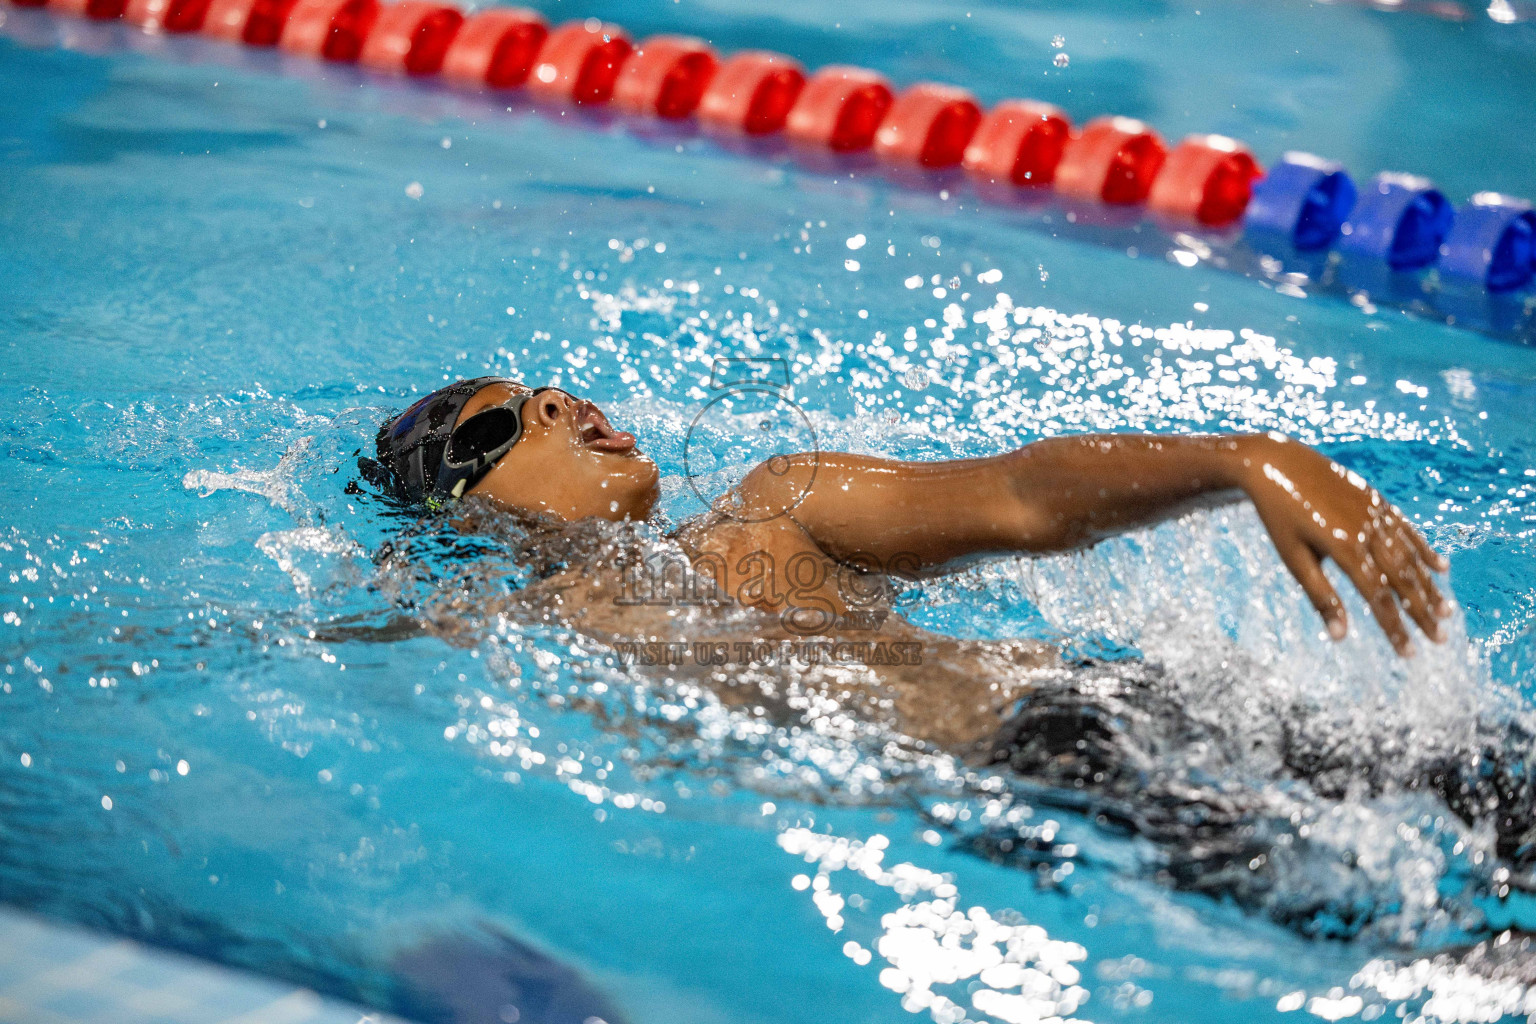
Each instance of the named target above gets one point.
<point>596,432</point>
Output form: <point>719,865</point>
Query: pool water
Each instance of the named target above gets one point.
<point>232,727</point>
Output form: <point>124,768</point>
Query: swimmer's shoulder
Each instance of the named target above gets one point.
<point>733,535</point>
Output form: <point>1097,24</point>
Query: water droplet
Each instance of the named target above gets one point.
<point>1058,41</point>
<point>916,378</point>
<point>1061,60</point>
<point>414,190</point>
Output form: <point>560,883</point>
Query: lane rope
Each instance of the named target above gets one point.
<point>1397,240</point>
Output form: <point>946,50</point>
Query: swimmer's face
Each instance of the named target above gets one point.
<point>570,461</point>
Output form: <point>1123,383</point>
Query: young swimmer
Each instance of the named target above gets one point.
<point>816,516</point>
<point>798,550</point>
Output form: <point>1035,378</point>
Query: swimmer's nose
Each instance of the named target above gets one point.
<point>549,406</point>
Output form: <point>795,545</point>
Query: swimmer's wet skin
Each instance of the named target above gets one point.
<point>546,451</point>
<point>838,525</point>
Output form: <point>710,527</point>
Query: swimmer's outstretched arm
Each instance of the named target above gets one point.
<point>1066,493</point>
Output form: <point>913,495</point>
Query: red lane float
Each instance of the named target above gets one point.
<point>752,92</point>
<point>840,108</point>
<point>166,15</point>
<point>253,22</point>
<point>1018,142</point>
<point>496,47</point>
<point>1114,159</point>
<point>928,124</point>
<point>332,29</point>
<point>580,61</point>
<point>411,37</point>
<point>96,10</point>
<point>1206,178</point>
<point>665,77</point>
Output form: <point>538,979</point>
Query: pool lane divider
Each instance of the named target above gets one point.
<point>1397,224</point>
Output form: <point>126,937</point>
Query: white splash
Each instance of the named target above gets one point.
<point>1456,995</point>
<point>930,948</point>
<point>279,485</point>
<point>306,552</point>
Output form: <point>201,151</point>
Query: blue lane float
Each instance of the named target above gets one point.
<point>1399,218</point>
<point>1303,199</point>
<point>1492,242</point>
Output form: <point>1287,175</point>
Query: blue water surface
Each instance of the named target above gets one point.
<point>222,269</point>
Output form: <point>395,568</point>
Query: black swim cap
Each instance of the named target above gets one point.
<point>412,445</point>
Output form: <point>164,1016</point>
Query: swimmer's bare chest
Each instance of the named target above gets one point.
<point>782,616</point>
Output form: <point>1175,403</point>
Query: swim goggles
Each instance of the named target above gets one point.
<point>476,444</point>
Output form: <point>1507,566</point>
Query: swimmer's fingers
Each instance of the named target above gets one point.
<point>1426,562</point>
<point>1428,555</point>
<point>1376,588</point>
<point>1302,561</point>
<point>1438,605</point>
<point>1398,560</point>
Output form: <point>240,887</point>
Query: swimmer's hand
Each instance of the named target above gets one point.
<point>1067,493</point>
<point>1315,509</point>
